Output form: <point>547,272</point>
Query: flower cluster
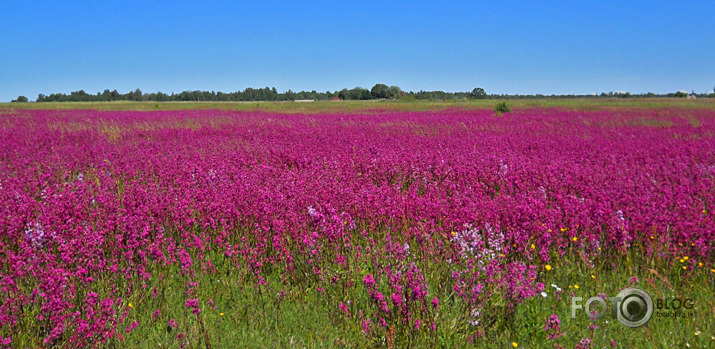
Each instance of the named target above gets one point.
<point>415,205</point>
<point>553,327</point>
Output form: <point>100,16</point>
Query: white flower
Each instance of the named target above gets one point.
<point>475,313</point>
<point>313,213</point>
<point>503,168</point>
<point>543,294</point>
<point>35,234</point>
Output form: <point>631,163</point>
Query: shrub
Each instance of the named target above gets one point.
<point>502,107</point>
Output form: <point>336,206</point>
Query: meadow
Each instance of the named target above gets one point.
<point>353,225</point>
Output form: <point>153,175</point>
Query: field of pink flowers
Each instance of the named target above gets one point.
<point>399,225</point>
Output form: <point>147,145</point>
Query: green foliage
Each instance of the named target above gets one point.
<point>379,91</point>
<point>303,310</point>
<point>502,107</point>
<point>680,94</point>
<point>408,102</point>
<point>478,93</point>
<point>20,99</point>
<point>394,92</point>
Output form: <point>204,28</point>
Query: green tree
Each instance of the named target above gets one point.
<point>358,93</point>
<point>343,94</point>
<point>478,93</point>
<point>394,92</point>
<point>20,99</point>
<point>380,91</point>
<point>502,107</point>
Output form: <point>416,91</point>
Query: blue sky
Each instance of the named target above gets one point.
<point>509,47</point>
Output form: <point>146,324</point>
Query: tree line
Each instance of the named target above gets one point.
<point>248,94</point>
<point>379,91</point>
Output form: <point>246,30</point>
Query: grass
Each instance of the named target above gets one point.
<point>362,106</point>
<point>303,312</point>
<point>300,310</point>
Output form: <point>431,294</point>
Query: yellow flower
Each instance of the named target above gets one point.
<point>513,344</point>
<point>712,270</point>
<point>593,276</point>
<point>700,264</point>
<point>686,258</point>
<point>502,255</point>
<point>684,267</point>
<point>548,267</point>
<point>220,314</point>
<point>533,246</point>
<point>652,237</point>
<point>570,286</point>
<point>575,286</point>
<point>682,260</point>
<point>453,233</point>
<point>130,305</point>
<point>574,239</point>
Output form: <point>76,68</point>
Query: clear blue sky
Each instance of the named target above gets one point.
<point>509,47</point>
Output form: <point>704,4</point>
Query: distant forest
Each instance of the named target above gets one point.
<point>379,91</point>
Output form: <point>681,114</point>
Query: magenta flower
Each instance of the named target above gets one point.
<point>369,281</point>
<point>194,305</point>
<point>553,327</point>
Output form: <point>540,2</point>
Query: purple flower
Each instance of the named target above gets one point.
<point>584,343</point>
<point>397,299</point>
<point>194,305</point>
